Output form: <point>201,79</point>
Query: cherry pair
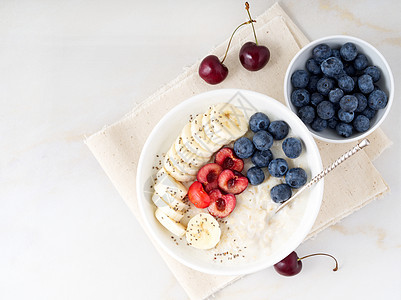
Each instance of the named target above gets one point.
<point>252,56</point>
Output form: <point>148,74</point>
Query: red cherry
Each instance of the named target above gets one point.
<point>221,205</point>
<point>212,70</point>
<point>254,57</point>
<point>228,160</point>
<point>292,264</point>
<point>232,182</point>
<point>198,196</point>
<point>208,175</point>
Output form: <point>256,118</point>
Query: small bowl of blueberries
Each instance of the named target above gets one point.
<point>341,87</point>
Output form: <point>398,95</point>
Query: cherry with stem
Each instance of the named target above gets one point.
<point>253,56</point>
<point>211,69</point>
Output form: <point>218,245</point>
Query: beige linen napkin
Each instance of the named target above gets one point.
<point>117,147</point>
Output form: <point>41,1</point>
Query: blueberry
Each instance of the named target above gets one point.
<point>292,147</point>
<point>313,67</point>
<point>346,83</point>
<point>377,99</point>
<point>300,97</point>
<point>365,84</point>
<point>361,123</point>
<point>307,114</point>
<point>349,69</point>
<point>362,102</point>
<point>278,129</point>
<point>278,167</point>
<point>332,67</point>
<point>281,193</point>
<point>296,177</point>
<point>259,121</point>
<point>255,175</point>
<point>336,53</point>
<point>344,129</point>
<point>360,62</point>
<point>243,147</point>
<point>374,72</point>
<point>332,123</point>
<point>262,140</point>
<point>325,110</point>
<point>349,103</point>
<point>348,52</point>
<point>316,98</point>
<point>335,95</point>
<point>369,112</point>
<point>319,124</point>
<point>262,158</point>
<point>321,52</point>
<point>345,116</point>
<point>324,85</point>
<point>300,79</point>
<point>312,86</point>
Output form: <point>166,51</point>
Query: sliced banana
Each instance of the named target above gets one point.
<point>209,126</point>
<point>190,142</point>
<point>188,156</point>
<point>179,163</point>
<point>163,206</point>
<point>167,187</point>
<point>175,173</point>
<point>174,227</point>
<point>228,123</point>
<point>174,203</point>
<point>200,136</point>
<point>203,231</point>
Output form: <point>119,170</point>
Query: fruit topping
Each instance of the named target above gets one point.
<point>198,196</point>
<point>281,193</point>
<point>228,160</point>
<point>232,182</point>
<point>278,129</point>
<point>296,177</point>
<point>243,147</point>
<point>262,140</point>
<point>221,205</point>
<point>203,231</point>
<point>292,147</point>
<point>208,175</point>
<point>278,167</point>
<point>259,121</point>
<point>262,159</point>
<point>255,175</point>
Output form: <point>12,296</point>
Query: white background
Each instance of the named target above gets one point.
<point>69,67</point>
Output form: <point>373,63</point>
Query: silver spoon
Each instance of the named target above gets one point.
<point>319,176</point>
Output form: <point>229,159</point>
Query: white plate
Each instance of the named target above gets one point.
<point>162,137</point>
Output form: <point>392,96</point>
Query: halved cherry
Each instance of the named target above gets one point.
<point>198,196</point>
<point>232,182</point>
<point>208,175</point>
<point>221,205</point>
<point>228,160</point>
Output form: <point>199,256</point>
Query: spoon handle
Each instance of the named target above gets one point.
<point>326,171</point>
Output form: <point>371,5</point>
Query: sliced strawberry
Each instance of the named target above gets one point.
<point>208,175</point>
<point>221,205</point>
<point>228,160</point>
<point>232,182</point>
<point>198,196</point>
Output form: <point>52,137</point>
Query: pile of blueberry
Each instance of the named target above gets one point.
<point>338,90</point>
<point>265,132</point>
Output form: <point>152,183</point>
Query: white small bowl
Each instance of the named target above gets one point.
<point>165,133</point>
<point>386,83</point>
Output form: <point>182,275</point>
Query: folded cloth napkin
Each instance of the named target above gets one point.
<point>117,147</point>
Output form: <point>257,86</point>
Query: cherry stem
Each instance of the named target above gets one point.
<point>232,35</point>
<point>250,18</point>
<point>335,269</point>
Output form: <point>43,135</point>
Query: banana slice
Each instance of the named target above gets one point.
<point>228,121</point>
<point>174,203</point>
<point>209,126</point>
<point>167,187</point>
<point>189,141</point>
<point>174,227</point>
<point>175,173</point>
<point>203,231</point>
<point>200,136</point>
<point>188,156</point>
<point>179,163</point>
<point>164,207</point>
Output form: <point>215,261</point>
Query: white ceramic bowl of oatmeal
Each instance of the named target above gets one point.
<point>248,242</point>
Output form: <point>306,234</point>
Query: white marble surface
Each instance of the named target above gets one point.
<point>69,67</point>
